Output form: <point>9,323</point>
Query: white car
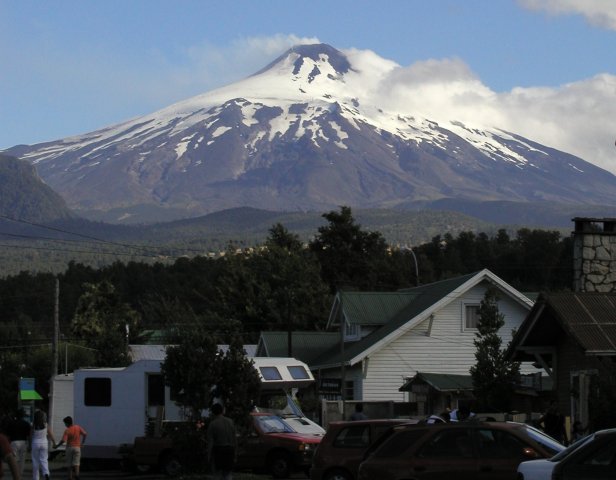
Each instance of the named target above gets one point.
<point>559,465</point>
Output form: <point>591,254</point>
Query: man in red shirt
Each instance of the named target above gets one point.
<point>6,454</point>
<point>74,437</point>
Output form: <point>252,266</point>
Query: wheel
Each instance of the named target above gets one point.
<point>170,465</point>
<point>280,465</point>
<point>337,474</point>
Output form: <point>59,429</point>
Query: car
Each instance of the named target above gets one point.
<point>271,445</point>
<point>592,457</point>
<point>468,450</point>
<point>342,448</point>
<point>274,446</point>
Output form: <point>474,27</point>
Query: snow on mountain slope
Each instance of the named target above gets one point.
<point>306,132</point>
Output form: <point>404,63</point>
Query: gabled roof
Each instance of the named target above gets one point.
<point>368,308</point>
<point>589,318</point>
<point>428,299</point>
<point>442,382</point>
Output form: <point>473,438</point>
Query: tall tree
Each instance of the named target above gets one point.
<point>105,324</point>
<point>493,375</point>
<point>198,372</point>
<point>349,255</point>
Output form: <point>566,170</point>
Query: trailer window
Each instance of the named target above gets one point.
<point>156,390</point>
<point>298,373</point>
<point>97,392</point>
<point>270,373</point>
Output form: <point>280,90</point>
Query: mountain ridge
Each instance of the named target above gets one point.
<point>304,134</point>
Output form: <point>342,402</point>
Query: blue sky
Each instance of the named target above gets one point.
<point>70,67</point>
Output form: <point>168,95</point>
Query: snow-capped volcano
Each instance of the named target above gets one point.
<point>306,132</point>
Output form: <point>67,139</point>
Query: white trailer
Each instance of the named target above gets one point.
<point>115,405</point>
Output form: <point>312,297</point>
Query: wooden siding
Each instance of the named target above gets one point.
<point>448,349</point>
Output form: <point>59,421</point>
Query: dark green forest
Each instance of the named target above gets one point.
<point>282,283</point>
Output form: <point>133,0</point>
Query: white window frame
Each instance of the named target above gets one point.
<point>465,308</point>
<point>351,331</point>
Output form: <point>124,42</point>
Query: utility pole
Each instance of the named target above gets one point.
<point>54,346</point>
<point>56,330</point>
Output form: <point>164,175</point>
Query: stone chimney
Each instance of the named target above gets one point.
<point>594,255</point>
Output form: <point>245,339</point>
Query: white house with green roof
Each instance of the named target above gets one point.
<point>391,336</point>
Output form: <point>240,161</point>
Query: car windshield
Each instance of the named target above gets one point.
<point>547,442</point>
<point>583,441</point>
<point>273,424</point>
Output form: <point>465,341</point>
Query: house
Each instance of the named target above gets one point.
<point>572,336</point>
<point>376,341</point>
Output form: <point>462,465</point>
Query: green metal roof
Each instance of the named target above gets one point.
<point>440,381</point>
<point>307,346</point>
<point>424,297</point>
<point>372,308</point>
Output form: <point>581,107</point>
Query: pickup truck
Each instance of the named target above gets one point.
<point>272,445</point>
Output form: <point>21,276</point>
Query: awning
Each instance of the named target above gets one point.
<point>29,395</point>
<point>440,381</point>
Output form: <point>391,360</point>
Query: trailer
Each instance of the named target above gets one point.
<point>117,405</point>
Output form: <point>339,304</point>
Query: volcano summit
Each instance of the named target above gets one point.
<point>305,133</point>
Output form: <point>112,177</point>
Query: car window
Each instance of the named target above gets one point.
<point>356,436</point>
<point>499,444</point>
<point>560,455</point>
<point>399,442</point>
<point>448,443</point>
<point>604,456</point>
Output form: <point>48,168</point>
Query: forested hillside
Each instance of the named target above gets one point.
<point>280,285</point>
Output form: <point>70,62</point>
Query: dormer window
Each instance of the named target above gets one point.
<point>351,331</point>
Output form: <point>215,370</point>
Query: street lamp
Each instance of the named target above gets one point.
<point>409,249</point>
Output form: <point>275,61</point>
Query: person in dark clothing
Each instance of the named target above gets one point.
<point>553,423</point>
<point>221,443</point>
<point>359,414</point>
<point>7,455</point>
<point>19,434</point>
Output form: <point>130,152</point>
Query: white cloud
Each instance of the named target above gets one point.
<point>601,13</point>
<point>577,118</point>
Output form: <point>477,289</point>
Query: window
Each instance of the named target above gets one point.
<point>97,392</point>
<point>298,372</point>
<point>471,316</point>
<point>349,390</point>
<point>448,443</point>
<point>353,437</point>
<point>270,373</point>
<point>351,331</point>
<point>399,443</point>
<point>499,444</point>
<point>604,456</point>
<point>156,390</point>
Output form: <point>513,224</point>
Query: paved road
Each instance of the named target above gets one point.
<point>58,471</point>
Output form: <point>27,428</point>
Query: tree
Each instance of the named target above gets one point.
<point>198,372</point>
<point>348,255</point>
<point>105,324</point>
<point>493,375</point>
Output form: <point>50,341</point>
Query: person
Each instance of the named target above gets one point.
<point>443,417</point>
<point>221,443</point>
<point>41,435</point>
<point>577,431</point>
<point>461,414</point>
<point>74,437</point>
<point>359,414</point>
<point>19,435</point>
<point>7,456</point>
<point>553,423</point>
